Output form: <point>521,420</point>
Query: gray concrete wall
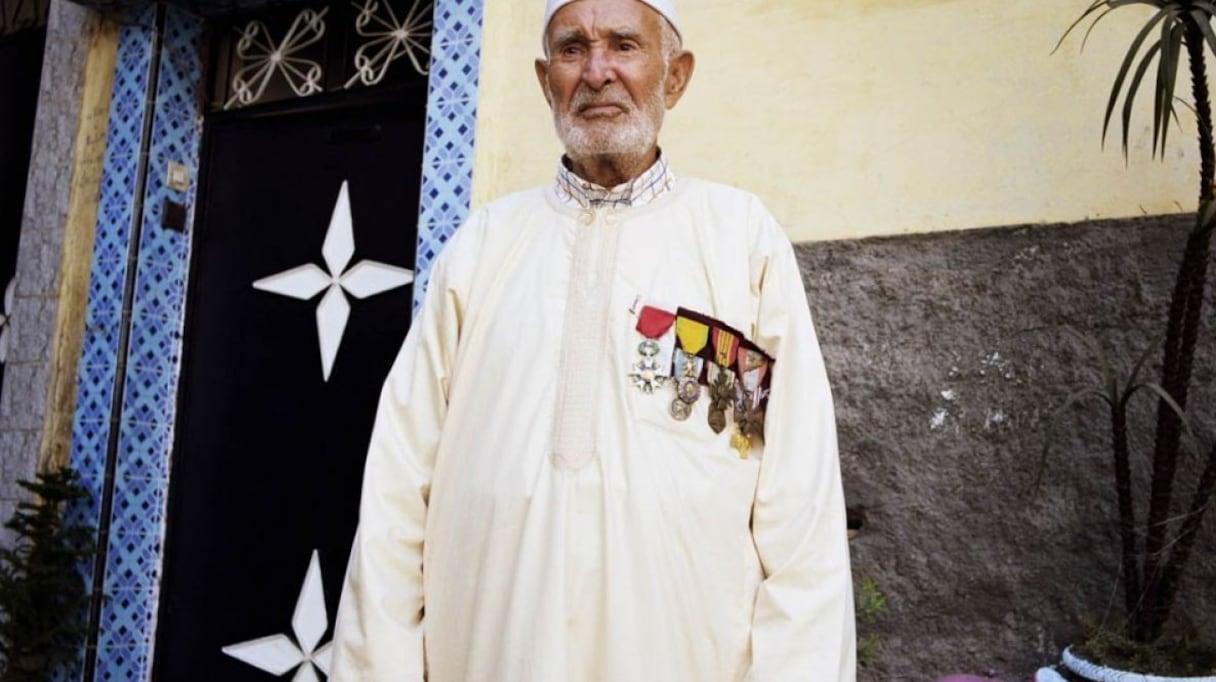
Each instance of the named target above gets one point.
<point>23,396</point>
<point>947,362</point>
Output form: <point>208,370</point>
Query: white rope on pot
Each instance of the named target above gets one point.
<point>1098,673</point>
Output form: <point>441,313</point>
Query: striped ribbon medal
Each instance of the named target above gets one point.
<point>692,337</point>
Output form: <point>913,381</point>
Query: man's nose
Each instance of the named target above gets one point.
<point>598,70</point>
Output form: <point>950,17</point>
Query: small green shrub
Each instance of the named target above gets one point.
<point>42,595</point>
<point>869,604</point>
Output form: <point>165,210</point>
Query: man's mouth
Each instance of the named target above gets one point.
<point>604,110</point>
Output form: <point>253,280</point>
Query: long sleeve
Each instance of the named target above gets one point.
<point>803,624</point>
<point>379,631</point>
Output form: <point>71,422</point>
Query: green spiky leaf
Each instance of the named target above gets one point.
<point>1128,59</point>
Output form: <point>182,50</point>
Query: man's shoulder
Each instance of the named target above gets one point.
<point>733,212</point>
<point>527,199</point>
<point>489,218</point>
<point>717,189</point>
<point>720,195</point>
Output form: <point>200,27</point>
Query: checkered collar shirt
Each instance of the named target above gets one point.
<point>576,192</point>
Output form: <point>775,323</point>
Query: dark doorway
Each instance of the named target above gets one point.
<point>20,73</point>
<point>269,452</point>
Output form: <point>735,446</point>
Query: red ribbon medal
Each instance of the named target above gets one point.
<point>651,371</point>
<point>654,322</point>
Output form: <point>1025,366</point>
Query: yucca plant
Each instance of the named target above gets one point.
<point>1155,553</point>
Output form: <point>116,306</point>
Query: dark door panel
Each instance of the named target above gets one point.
<point>269,453</point>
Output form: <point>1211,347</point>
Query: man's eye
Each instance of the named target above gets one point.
<point>571,50</point>
<point>627,47</point>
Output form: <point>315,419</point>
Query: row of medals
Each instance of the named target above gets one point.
<point>648,375</point>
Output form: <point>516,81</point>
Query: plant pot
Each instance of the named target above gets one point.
<point>1099,673</point>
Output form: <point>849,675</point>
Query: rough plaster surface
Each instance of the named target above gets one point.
<point>26,377</point>
<point>947,362</point>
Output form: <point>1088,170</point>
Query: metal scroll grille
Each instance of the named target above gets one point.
<point>299,52</point>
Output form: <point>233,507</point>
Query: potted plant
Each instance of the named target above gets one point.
<point>42,594</point>
<point>1156,544</point>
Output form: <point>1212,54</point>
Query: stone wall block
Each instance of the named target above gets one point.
<point>16,469</point>
<point>31,317</point>
<point>948,360</point>
<point>38,261</point>
<point>23,401</point>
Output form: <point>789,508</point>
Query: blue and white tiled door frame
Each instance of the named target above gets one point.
<point>151,125</point>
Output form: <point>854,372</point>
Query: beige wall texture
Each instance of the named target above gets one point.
<point>854,118</point>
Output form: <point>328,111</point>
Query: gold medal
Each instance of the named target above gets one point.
<point>741,443</point>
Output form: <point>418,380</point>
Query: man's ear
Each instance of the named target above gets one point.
<point>542,77</point>
<point>679,73</point>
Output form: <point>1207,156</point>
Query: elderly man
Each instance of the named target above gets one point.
<point>606,451</point>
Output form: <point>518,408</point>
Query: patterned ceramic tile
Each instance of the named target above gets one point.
<point>160,288</point>
<point>154,346</point>
<point>449,133</point>
<point>99,349</point>
<point>154,343</point>
<point>447,177</point>
<point>144,15</point>
<point>122,664</point>
<point>132,563</point>
<point>126,610</point>
<point>439,233</point>
<point>445,194</point>
<point>116,201</point>
<point>129,93</point>
<point>457,21</point>
<point>95,380</point>
<point>454,74</point>
<point>85,512</point>
<point>105,292</point>
<point>173,135</point>
<point>141,448</point>
<point>138,496</point>
<point>145,506</point>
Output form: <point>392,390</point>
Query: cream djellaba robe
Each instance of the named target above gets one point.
<point>529,515</point>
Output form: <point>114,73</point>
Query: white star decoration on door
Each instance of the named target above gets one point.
<point>278,654</point>
<point>366,278</point>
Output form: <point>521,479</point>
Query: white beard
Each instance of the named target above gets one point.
<point>632,132</point>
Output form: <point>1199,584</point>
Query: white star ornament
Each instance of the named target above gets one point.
<point>366,278</point>
<point>278,654</point>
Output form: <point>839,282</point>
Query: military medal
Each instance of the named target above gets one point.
<point>722,379</point>
<point>753,369</point>
<point>749,413</point>
<point>692,336</point>
<point>650,371</point>
<point>721,397</point>
<point>688,385</point>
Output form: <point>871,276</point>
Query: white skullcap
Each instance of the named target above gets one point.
<point>665,7</point>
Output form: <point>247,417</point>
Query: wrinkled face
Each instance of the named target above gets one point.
<point>605,77</point>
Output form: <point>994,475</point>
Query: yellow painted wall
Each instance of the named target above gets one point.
<point>855,118</point>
